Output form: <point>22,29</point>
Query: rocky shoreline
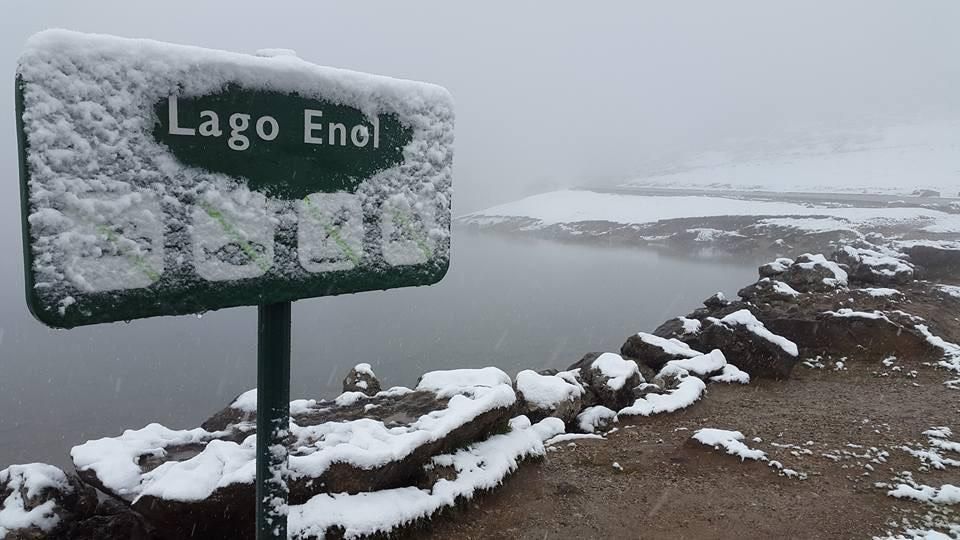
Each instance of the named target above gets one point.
<point>374,462</point>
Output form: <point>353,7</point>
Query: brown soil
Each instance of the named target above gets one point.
<point>671,487</point>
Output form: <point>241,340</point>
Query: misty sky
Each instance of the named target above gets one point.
<point>564,93</point>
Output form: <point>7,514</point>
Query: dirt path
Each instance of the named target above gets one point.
<point>672,488</point>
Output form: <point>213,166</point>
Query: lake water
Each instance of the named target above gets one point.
<point>512,303</point>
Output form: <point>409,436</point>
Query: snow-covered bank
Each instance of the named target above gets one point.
<point>373,461</point>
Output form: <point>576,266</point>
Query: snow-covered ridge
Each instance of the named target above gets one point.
<point>579,206</point>
<point>896,160</point>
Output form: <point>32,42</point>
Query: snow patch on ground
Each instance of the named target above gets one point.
<point>952,290</point>
<point>951,351</point>
<point>730,441</point>
<point>882,291</point>
<point>945,494</point>
<point>848,313</point>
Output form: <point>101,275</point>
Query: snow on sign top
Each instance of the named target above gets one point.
<point>162,179</point>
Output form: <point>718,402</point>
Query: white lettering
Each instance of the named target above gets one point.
<point>239,123</point>
<point>274,128</point>
<point>173,121</point>
<point>211,126</point>
<point>309,126</point>
<point>334,128</point>
<point>359,136</point>
<point>376,131</point>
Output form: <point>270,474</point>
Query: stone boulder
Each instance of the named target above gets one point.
<point>200,483</point>
<point>361,379</point>
<point>814,273</point>
<point>865,335</point>
<point>596,418</point>
<point>112,519</point>
<point>541,396</point>
<point>870,266</point>
<point>768,290</point>
<point>39,501</point>
<point>774,268</point>
<point>678,328</point>
<point>939,260</point>
<point>654,351</point>
<point>748,344</point>
<point>612,379</point>
<point>716,300</point>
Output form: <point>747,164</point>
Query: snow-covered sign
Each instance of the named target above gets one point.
<point>160,179</point>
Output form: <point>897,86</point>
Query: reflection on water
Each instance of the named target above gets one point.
<point>511,303</point>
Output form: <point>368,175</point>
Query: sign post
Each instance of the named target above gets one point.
<point>273,415</point>
<point>159,179</point>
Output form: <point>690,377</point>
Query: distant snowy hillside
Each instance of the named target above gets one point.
<point>892,160</point>
<point>568,207</point>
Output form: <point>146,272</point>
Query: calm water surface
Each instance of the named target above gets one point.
<point>511,303</point>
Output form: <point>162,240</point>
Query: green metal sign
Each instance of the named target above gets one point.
<point>284,145</point>
<point>164,180</point>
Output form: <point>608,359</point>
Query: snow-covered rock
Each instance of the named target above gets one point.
<point>872,266</point>
<point>38,500</point>
<point>703,365</point>
<point>814,273</point>
<point>655,351</point>
<point>865,335</point>
<point>775,267</point>
<point>541,396</point>
<point>768,290</point>
<point>201,482</point>
<point>612,379</point>
<point>747,343</point>
<point>362,379</point>
<point>472,470</point>
<point>681,391</point>
<point>596,418</point>
<point>938,259</point>
<point>716,300</point>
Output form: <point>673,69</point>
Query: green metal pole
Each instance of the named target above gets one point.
<point>273,416</point>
